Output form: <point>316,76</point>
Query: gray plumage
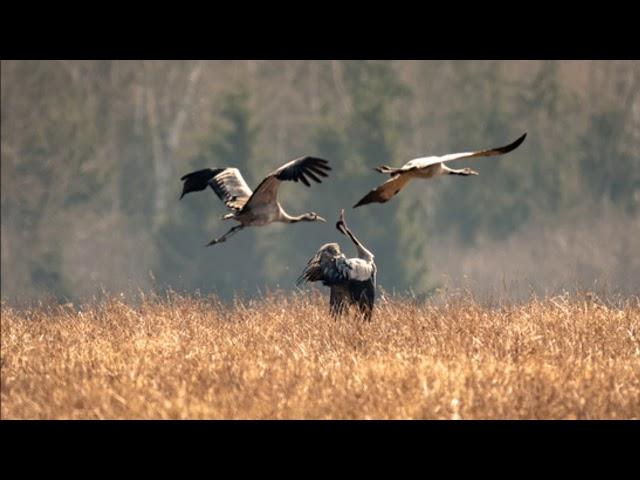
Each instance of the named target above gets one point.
<point>260,207</point>
<point>352,281</point>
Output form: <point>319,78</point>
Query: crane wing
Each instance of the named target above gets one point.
<point>327,266</point>
<point>295,170</point>
<point>231,188</point>
<point>227,183</point>
<point>424,162</point>
<point>331,267</point>
<point>198,180</point>
<point>386,191</point>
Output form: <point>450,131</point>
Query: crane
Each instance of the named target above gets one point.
<point>260,207</point>
<point>352,280</point>
<point>426,167</point>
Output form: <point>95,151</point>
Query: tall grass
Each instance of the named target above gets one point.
<point>283,357</point>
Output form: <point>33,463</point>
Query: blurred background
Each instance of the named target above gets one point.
<point>93,151</point>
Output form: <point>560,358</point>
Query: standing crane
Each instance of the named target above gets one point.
<point>426,167</point>
<point>261,207</point>
<point>352,280</point>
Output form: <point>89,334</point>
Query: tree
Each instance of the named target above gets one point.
<point>180,242</point>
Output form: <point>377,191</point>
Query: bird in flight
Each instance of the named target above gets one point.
<point>427,167</point>
<point>352,280</point>
<point>260,207</point>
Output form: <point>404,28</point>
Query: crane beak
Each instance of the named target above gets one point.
<point>320,219</point>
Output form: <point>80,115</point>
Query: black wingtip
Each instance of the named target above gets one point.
<point>198,180</point>
<point>518,142</point>
<point>512,146</point>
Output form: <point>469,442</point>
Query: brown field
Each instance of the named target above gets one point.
<point>282,357</point>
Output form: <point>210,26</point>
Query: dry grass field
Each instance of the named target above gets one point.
<point>283,357</point>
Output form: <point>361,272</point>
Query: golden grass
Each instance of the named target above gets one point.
<point>282,357</point>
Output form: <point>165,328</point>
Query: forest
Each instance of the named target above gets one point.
<point>92,153</point>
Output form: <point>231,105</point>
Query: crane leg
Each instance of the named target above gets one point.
<point>226,235</point>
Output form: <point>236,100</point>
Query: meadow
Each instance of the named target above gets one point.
<point>282,357</point>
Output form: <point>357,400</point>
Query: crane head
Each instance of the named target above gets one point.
<point>314,217</point>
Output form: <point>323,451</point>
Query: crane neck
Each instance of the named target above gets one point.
<point>286,218</point>
<point>363,253</point>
